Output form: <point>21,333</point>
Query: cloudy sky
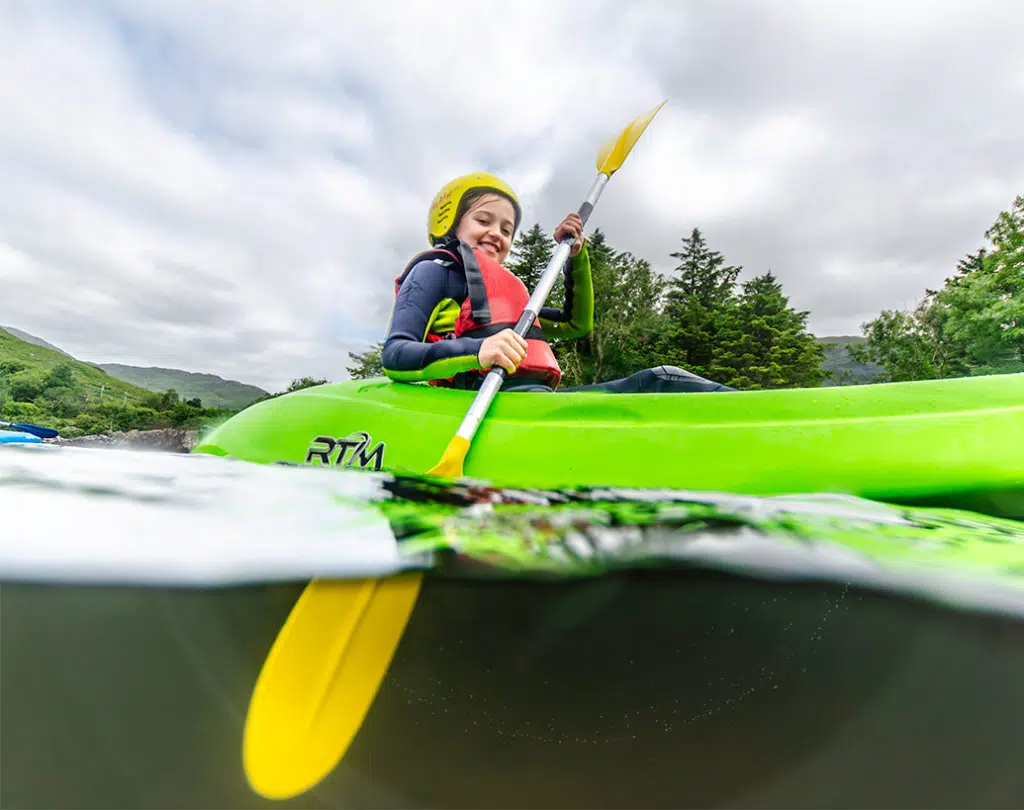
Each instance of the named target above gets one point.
<point>230,186</point>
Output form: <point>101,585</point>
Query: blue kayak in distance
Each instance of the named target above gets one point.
<point>17,437</point>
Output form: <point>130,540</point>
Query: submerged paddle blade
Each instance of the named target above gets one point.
<point>452,462</point>
<point>614,151</point>
<point>303,715</point>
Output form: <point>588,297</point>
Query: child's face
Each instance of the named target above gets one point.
<point>488,225</point>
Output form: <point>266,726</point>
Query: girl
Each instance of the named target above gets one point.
<point>456,304</point>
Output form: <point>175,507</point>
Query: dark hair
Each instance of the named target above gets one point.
<point>475,194</point>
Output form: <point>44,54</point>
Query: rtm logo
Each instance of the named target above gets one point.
<point>358,443</point>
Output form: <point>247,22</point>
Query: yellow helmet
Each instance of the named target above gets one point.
<point>445,205</point>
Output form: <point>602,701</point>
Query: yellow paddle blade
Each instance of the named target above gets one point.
<point>320,678</point>
<point>614,151</point>
<point>452,462</point>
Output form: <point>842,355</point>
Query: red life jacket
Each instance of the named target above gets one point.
<point>496,299</point>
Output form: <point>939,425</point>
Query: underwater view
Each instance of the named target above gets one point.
<point>585,647</point>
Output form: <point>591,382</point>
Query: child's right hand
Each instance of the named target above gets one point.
<point>505,349</point>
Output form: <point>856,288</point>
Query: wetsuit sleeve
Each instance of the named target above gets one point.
<point>406,356</point>
<point>576,317</point>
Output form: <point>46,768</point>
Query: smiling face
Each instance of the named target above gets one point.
<point>488,224</point>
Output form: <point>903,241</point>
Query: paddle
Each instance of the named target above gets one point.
<point>327,663</point>
<point>35,430</point>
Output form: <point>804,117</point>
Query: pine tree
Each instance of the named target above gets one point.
<point>764,343</point>
<point>700,294</point>
<point>973,263</point>
<point>366,364</point>
<point>530,254</point>
<point>598,249</point>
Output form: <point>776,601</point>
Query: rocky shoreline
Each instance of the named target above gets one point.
<point>166,440</point>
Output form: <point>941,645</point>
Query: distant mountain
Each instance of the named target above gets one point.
<point>214,391</point>
<point>837,362</point>
<point>90,383</point>
<point>36,341</point>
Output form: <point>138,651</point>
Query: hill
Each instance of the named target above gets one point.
<point>37,341</point>
<point>20,358</point>
<point>44,386</point>
<point>838,363</point>
<point>214,391</point>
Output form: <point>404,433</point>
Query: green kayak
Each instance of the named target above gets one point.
<point>952,442</point>
<point>667,688</point>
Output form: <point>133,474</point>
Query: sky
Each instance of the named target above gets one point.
<point>231,186</point>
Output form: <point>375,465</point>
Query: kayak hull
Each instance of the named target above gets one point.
<point>952,442</point>
<point>17,437</point>
<point>682,689</point>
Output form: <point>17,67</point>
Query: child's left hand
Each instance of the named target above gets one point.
<point>573,225</point>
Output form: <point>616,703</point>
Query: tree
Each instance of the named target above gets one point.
<point>303,382</point>
<point>530,254</point>
<point>9,367</point>
<point>61,375</point>
<point>366,364</point>
<point>985,306</point>
<point>764,343</point>
<point>161,401</point>
<point>701,292</point>
<point>26,385</point>
<point>908,345</point>
<point>974,324</point>
<point>627,315</point>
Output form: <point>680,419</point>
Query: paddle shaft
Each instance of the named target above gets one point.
<point>492,382</point>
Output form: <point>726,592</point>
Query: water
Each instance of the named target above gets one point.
<point>78,515</point>
<point>688,690</point>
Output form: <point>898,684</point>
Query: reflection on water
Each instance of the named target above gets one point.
<point>122,516</point>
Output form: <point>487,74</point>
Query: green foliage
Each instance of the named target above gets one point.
<point>160,402</point>
<point>366,364</point>
<point>530,255</point>
<point>699,302</point>
<point>762,342</point>
<point>41,385</point>
<point>304,382</point>
<point>974,324</point>
<point>61,375</point>
<point>695,319</point>
<point>627,318</point>
<point>25,386</point>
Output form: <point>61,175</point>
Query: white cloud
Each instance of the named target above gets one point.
<point>231,186</point>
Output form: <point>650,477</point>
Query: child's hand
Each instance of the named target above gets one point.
<point>573,225</point>
<point>505,349</point>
